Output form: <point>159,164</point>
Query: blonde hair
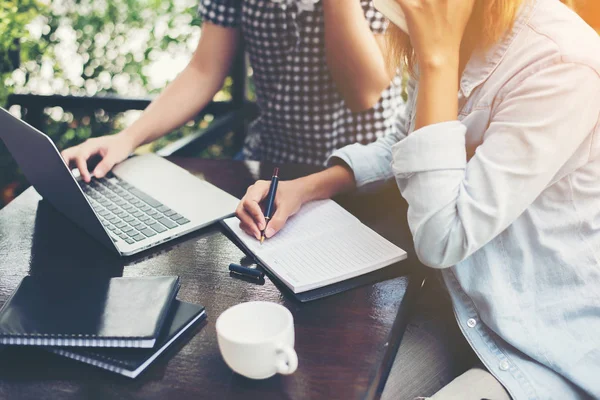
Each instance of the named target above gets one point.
<point>490,20</point>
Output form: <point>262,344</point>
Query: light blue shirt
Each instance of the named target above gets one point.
<point>506,201</point>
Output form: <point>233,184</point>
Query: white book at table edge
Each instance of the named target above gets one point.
<point>392,11</point>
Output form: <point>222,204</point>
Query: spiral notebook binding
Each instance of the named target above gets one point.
<point>76,342</point>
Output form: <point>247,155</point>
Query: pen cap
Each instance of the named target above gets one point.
<point>246,271</point>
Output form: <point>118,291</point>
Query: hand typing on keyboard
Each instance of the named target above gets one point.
<point>112,149</point>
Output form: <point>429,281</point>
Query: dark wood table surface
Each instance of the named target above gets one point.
<point>345,343</point>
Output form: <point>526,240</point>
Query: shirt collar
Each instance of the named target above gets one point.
<point>482,64</point>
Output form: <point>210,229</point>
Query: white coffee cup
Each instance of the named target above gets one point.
<point>256,339</point>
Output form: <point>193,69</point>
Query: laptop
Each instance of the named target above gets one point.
<point>145,200</point>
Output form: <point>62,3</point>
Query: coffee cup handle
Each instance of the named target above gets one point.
<point>287,360</point>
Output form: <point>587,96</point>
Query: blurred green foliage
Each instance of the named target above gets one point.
<point>114,40</point>
<point>89,48</point>
<point>15,15</point>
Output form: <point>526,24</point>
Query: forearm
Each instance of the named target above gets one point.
<point>354,55</point>
<point>193,88</point>
<point>327,184</point>
<point>437,99</point>
<point>183,98</point>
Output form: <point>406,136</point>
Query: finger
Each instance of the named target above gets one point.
<point>253,209</point>
<point>250,230</point>
<point>247,221</point>
<point>104,166</point>
<point>81,163</point>
<point>68,155</point>
<point>278,221</point>
<point>258,191</point>
<point>404,5</point>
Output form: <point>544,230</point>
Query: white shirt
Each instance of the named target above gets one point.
<point>515,227</point>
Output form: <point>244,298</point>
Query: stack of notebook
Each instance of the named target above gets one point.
<point>119,324</point>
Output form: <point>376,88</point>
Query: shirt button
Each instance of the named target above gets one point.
<point>471,323</point>
<point>504,366</point>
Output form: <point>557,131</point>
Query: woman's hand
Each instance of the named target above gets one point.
<point>436,29</point>
<point>113,149</point>
<point>290,197</point>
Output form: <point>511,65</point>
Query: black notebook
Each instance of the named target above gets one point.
<point>87,311</point>
<point>131,362</point>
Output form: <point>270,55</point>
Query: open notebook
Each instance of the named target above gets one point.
<point>321,245</point>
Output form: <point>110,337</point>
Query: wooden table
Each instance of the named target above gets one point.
<point>345,343</point>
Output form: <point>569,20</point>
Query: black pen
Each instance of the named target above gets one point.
<point>270,202</point>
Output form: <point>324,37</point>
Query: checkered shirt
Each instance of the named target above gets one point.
<point>303,116</point>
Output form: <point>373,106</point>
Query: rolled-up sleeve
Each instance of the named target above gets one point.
<point>371,163</point>
<point>455,206</point>
<point>434,147</point>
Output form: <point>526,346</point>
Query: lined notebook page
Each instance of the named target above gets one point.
<point>321,245</point>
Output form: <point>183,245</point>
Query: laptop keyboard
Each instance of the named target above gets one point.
<point>128,213</point>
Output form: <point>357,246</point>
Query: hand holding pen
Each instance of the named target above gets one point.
<point>286,201</point>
